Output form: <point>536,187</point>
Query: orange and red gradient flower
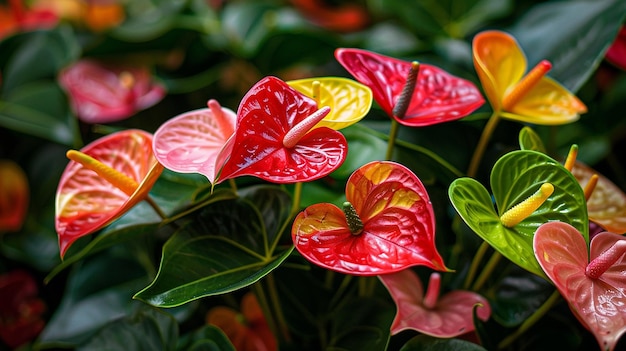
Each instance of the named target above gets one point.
<point>387,225</point>
<point>14,196</point>
<point>102,182</point>
<point>16,17</point>
<point>515,94</point>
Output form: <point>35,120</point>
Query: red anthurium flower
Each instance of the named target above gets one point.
<point>592,283</point>
<point>103,181</point>
<point>444,317</point>
<point>341,18</point>
<point>531,98</point>
<point>191,142</point>
<point>16,17</point>
<point>20,309</point>
<point>413,94</point>
<point>616,54</point>
<point>14,196</point>
<point>101,93</point>
<point>247,330</point>
<point>275,140</point>
<point>387,224</point>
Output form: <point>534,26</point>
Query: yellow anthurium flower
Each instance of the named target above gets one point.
<point>349,101</point>
<point>531,98</point>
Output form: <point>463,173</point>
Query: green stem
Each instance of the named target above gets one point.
<point>487,270</point>
<point>233,184</point>
<point>474,266</point>
<point>265,307</point>
<point>156,207</point>
<point>530,321</point>
<point>482,143</point>
<point>297,195</point>
<point>391,143</point>
<point>281,323</point>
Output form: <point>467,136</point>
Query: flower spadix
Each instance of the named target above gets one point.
<point>349,101</point>
<point>387,225</point>
<point>444,316</point>
<point>102,181</point>
<point>426,94</point>
<point>276,137</point>
<point>515,94</point>
<point>591,281</point>
<point>192,141</point>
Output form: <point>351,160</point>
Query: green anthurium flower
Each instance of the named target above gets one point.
<point>349,100</point>
<point>529,189</point>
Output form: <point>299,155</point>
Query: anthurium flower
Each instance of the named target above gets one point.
<point>17,17</point>
<point>387,224</point>
<point>413,94</point>
<point>340,17</point>
<point>14,196</point>
<point>247,330</point>
<point>274,139</point>
<point>444,317</point>
<point>616,54</point>
<point>191,142</point>
<point>104,93</point>
<point>102,182</point>
<point>606,203</point>
<point>349,101</point>
<point>591,282</point>
<point>531,98</point>
<point>21,310</point>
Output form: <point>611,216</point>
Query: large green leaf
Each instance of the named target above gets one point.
<point>429,343</point>
<point>573,35</point>
<point>227,247</point>
<point>208,337</point>
<point>514,178</point>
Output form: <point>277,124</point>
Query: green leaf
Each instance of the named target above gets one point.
<point>428,343</point>
<point>515,177</point>
<point>529,140</point>
<point>228,245</point>
<point>149,21</point>
<point>573,35</point>
<point>208,337</point>
<point>147,329</point>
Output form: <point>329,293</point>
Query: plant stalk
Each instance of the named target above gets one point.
<point>482,143</point>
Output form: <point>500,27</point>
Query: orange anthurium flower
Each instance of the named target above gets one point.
<point>14,194</point>
<point>349,101</point>
<point>102,182</point>
<point>247,330</point>
<point>531,98</point>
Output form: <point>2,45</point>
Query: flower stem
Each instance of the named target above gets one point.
<point>156,207</point>
<point>489,267</point>
<point>277,309</point>
<point>482,143</point>
<point>391,143</point>
<point>297,195</point>
<point>531,320</point>
<point>475,262</point>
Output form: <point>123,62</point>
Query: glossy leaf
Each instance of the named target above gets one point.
<point>266,114</point>
<point>529,140</point>
<point>515,177</point>
<point>438,96</point>
<point>85,202</point>
<point>607,204</point>
<point>597,303</point>
<point>398,225</point>
<point>349,101</point>
<point>229,245</point>
<point>501,65</point>
<point>445,316</point>
<point>192,141</point>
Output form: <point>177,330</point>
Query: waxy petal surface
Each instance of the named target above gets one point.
<point>192,141</point>
<point>85,202</point>
<point>349,101</point>
<point>438,96</point>
<point>451,316</point>
<point>607,204</point>
<point>398,223</point>
<point>268,111</point>
<point>597,303</point>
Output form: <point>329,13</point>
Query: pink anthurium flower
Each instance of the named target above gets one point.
<point>275,138</point>
<point>191,142</point>
<point>531,98</point>
<point>443,316</point>
<point>102,182</point>
<point>349,101</point>
<point>413,94</point>
<point>592,282</point>
<point>616,54</point>
<point>387,225</point>
<point>101,93</point>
